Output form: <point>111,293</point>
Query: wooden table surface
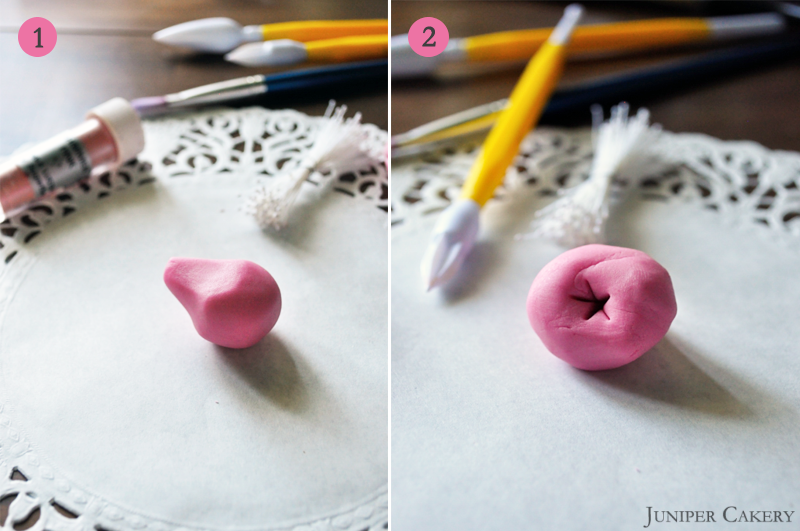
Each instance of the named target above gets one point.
<point>104,50</point>
<point>763,105</point>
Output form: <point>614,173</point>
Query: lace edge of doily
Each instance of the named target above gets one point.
<point>185,157</point>
<point>740,179</point>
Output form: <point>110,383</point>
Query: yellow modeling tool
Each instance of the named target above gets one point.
<point>287,52</point>
<point>593,39</point>
<point>457,227</point>
<point>635,35</point>
<point>348,49</point>
<point>221,35</point>
<point>317,30</point>
<point>526,103</point>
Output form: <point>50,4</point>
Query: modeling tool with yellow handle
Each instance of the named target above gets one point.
<point>457,226</point>
<point>592,39</point>
<point>284,52</point>
<point>317,30</point>
<point>221,35</point>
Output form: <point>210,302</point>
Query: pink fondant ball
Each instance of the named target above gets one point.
<point>233,303</point>
<point>599,307</point>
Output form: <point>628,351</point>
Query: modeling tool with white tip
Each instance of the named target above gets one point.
<point>458,225</point>
<point>271,53</point>
<point>284,52</point>
<point>406,63</point>
<point>221,35</point>
<point>590,40</point>
<point>212,35</point>
<point>452,239</point>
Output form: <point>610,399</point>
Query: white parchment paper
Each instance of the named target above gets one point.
<point>491,432</point>
<point>102,371</point>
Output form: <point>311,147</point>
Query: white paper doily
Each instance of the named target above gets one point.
<point>115,415</point>
<point>491,432</point>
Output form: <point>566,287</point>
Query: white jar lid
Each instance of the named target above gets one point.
<point>123,122</point>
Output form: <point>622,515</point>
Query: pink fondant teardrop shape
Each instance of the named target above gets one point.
<point>233,303</point>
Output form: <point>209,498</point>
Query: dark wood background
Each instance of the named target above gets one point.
<point>104,50</point>
<point>762,105</point>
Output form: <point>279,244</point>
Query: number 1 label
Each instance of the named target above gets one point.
<point>37,37</point>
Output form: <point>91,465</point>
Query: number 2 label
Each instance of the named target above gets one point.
<point>428,37</point>
<point>428,43</point>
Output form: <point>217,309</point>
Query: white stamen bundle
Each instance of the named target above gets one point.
<point>578,217</point>
<point>338,141</point>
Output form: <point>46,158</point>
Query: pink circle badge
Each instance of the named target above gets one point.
<point>428,36</point>
<point>37,36</point>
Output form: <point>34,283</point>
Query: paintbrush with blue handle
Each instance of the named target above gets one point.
<point>324,78</point>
